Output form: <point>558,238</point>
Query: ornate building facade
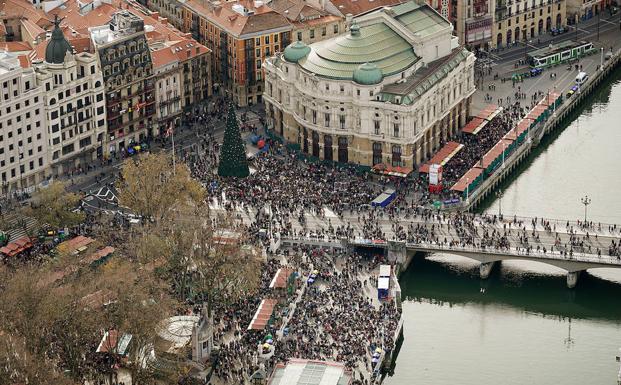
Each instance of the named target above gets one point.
<point>125,59</point>
<point>389,91</point>
<point>74,103</point>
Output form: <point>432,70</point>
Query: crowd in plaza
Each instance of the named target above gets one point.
<point>333,319</point>
<point>477,145</point>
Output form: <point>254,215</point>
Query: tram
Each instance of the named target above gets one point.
<point>559,53</point>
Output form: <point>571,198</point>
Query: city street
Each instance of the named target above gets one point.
<point>564,80</point>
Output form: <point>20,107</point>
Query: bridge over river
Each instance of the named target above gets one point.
<point>571,246</point>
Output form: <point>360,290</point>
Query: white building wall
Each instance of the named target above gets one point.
<point>75,111</point>
<point>23,138</point>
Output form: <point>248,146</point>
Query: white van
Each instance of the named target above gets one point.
<point>582,77</point>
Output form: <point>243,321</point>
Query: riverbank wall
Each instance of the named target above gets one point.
<point>566,111</point>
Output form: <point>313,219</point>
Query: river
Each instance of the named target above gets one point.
<point>522,325</point>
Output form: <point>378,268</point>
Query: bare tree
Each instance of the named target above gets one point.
<point>204,261</point>
<point>152,188</point>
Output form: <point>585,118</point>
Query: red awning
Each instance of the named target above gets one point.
<point>96,256</point>
<point>474,126</point>
<point>280,278</point>
<point>74,244</point>
<point>468,178</point>
<point>17,246</point>
<point>442,156</point>
<point>262,315</point>
<point>385,169</point>
<point>494,152</point>
<point>489,112</point>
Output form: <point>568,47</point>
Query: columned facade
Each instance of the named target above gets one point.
<point>397,112</point>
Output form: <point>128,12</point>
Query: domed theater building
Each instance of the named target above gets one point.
<point>389,91</point>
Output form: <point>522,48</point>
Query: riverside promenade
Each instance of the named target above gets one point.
<point>554,80</point>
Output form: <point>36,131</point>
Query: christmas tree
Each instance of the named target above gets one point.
<point>233,160</point>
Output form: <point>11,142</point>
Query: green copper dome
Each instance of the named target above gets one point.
<point>58,46</point>
<point>296,51</point>
<point>368,74</point>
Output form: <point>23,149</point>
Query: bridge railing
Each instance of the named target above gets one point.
<point>330,241</point>
<point>556,255</point>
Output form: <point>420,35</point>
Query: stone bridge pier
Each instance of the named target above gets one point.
<point>488,262</point>
<point>397,252</point>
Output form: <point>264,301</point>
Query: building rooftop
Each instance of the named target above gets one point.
<point>378,44</point>
<point>307,372</point>
<point>240,18</point>
<point>360,7</point>
<point>420,81</point>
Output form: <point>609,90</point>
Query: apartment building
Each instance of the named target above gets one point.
<point>74,103</point>
<point>125,59</point>
<point>23,127</point>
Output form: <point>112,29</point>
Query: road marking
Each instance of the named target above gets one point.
<point>610,22</point>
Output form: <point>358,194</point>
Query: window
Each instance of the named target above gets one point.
<point>257,52</point>
<point>323,31</point>
<point>377,153</point>
<point>267,39</point>
<point>299,36</point>
<point>327,120</point>
<point>376,127</point>
<point>312,33</point>
<point>336,28</point>
<point>342,121</point>
<point>314,114</point>
<point>276,38</point>
<point>258,63</point>
<point>257,41</point>
<point>396,155</point>
<point>395,130</point>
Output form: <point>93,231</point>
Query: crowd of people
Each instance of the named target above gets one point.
<point>333,319</point>
<point>477,145</point>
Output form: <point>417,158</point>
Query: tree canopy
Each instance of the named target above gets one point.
<point>151,188</point>
<point>55,206</point>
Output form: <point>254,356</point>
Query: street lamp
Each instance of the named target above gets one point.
<point>499,195</point>
<point>467,189</point>
<point>601,59</point>
<point>619,375</point>
<point>585,201</point>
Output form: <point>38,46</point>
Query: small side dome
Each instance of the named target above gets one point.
<point>368,74</point>
<point>296,51</point>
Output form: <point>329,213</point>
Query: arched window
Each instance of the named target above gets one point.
<point>305,142</point>
<point>327,147</point>
<point>315,144</point>
<point>343,150</point>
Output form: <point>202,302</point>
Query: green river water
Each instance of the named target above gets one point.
<point>522,325</point>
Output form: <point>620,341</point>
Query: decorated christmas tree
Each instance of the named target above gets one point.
<point>233,160</point>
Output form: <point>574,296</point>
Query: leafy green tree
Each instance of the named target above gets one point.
<point>233,161</point>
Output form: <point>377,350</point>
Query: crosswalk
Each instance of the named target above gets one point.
<point>19,226</point>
